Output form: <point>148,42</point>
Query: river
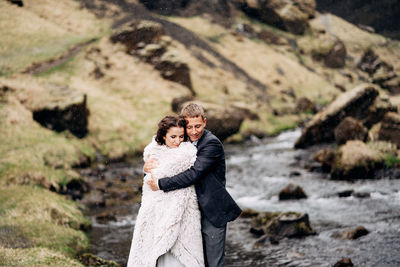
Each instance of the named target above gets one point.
<point>256,172</point>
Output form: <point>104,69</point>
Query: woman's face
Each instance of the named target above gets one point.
<point>174,136</point>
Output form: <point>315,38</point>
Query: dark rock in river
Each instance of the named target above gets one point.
<point>282,224</point>
<point>266,240</point>
<point>390,128</point>
<point>352,234</point>
<point>63,109</point>
<point>345,262</point>
<point>350,129</point>
<point>292,191</point>
<point>353,103</point>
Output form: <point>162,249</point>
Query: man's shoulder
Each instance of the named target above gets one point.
<point>209,137</point>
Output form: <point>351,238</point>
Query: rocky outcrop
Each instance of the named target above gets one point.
<point>138,33</point>
<point>292,191</point>
<point>145,40</point>
<point>282,224</point>
<point>327,48</point>
<point>352,234</point>
<point>390,128</point>
<point>88,259</point>
<point>353,103</point>
<point>174,69</point>
<point>62,109</point>
<point>379,71</point>
<point>290,16</point>
<point>350,129</point>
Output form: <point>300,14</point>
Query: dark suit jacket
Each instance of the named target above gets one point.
<point>208,176</point>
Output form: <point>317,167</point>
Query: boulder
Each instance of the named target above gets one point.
<point>308,7</point>
<point>62,109</point>
<point>265,240</point>
<point>151,52</point>
<point>390,128</point>
<point>392,85</point>
<point>282,224</point>
<point>353,103</point>
<point>370,62</point>
<point>350,129</point>
<point>377,111</point>
<point>345,262</point>
<point>326,157</point>
<point>224,122</point>
<point>174,69</point>
<point>329,49</point>
<point>137,33</point>
<point>356,160</point>
<point>285,15</point>
<point>352,234</point>
<point>292,191</point>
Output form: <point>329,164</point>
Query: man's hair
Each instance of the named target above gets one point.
<point>166,123</point>
<point>192,110</point>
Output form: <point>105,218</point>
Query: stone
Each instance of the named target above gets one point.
<point>353,103</point>
<point>151,51</point>
<point>282,224</point>
<point>293,19</point>
<point>356,160</point>
<point>352,234</point>
<point>292,191</point>
<point>62,109</point>
<point>105,217</point>
<point>390,128</point>
<point>326,157</point>
<point>308,7</point>
<point>344,262</point>
<point>392,85</point>
<point>377,111</point>
<point>174,69</point>
<point>336,58</point>
<point>137,33</point>
<point>350,129</point>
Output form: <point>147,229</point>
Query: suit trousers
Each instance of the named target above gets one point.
<point>213,243</point>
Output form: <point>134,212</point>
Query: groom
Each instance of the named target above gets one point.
<point>208,175</point>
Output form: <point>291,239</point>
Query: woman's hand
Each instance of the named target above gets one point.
<point>150,164</point>
<point>153,183</point>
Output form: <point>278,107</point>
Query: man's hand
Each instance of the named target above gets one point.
<point>153,183</point>
<point>150,164</point>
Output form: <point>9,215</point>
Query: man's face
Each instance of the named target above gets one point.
<point>195,127</point>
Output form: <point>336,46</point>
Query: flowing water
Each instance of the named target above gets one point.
<point>256,172</point>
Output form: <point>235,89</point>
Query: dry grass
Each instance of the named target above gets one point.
<point>35,257</point>
<point>40,31</point>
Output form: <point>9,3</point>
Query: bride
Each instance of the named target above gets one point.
<point>168,230</point>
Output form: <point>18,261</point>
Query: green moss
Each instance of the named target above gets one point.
<point>392,161</point>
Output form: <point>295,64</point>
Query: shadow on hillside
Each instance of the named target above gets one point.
<point>189,39</point>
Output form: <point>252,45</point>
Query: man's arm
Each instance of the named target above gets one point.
<point>206,159</point>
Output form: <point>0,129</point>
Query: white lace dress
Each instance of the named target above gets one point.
<point>168,222</point>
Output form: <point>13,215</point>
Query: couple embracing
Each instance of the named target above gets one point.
<point>185,206</point>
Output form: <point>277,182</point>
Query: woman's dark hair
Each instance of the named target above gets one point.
<point>166,123</point>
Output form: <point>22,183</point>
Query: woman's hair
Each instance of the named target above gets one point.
<point>166,123</point>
